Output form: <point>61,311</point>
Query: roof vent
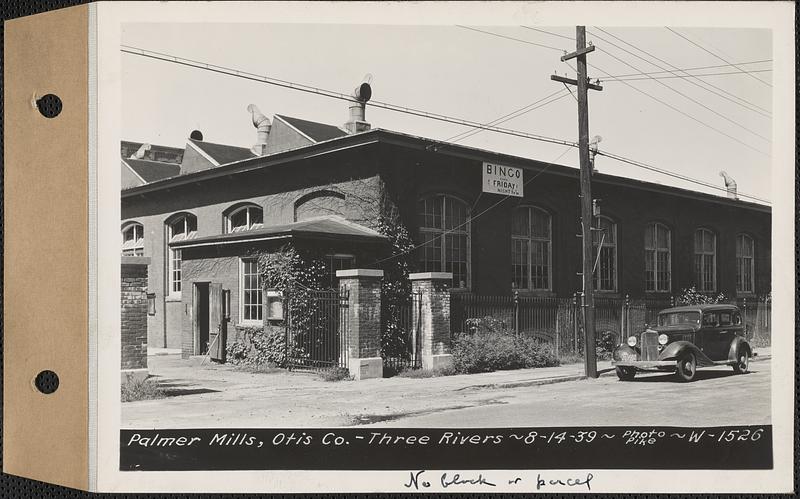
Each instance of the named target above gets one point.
<point>730,185</point>
<point>141,152</point>
<point>263,127</point>
<point>358,106</point>
<point>196,135</point>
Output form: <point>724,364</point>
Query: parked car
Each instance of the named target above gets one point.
<point>685,339</point>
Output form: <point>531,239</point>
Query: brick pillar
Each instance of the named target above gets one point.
<point>364,321</point>
<point>434,289</point>
<point>134,316</point>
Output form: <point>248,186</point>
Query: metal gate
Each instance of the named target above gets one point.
<point>403,324</point>
<point>317,329</point>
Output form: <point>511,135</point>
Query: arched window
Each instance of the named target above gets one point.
<point>605,250</point>
<point>133,239</point>
<point>531,249</point>
<point>247,217</point>
<point>705,260</point>
<point>444,235</point>
<point>179,228</point>
<point>745,264</point>
<point>657,258</point>
<point>318,204</point>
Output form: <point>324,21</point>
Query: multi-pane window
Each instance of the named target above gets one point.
<point>337,262</point>
<point>133,240</point>
<point>444,235</point>
<point>531,244</point>
<point>745,258</point>
<point>657,258</point>
<point>705,260</point>
<point>250,291</point>
<point>178,229</point>
<point>605,253</point>
<point>245,218</point>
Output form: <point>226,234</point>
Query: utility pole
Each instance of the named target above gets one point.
<point>582,82</point>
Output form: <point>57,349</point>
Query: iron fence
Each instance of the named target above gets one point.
<point>317,329</point>
<point>401,340</point>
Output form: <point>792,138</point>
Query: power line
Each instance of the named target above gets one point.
<point>336,95</point>
<point>717,56</point>
<point>315,90</point>
<point>692,81</point>
<point>676,175</point>
<point>511,38</point>
<point>767,139</point>
<point>697,68</point>
<point>571,38</point>
<point>509,116</point>
<point>633,77</point>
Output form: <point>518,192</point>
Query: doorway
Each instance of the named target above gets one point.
<point>201,317</point>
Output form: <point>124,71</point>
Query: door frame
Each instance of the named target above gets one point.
<point>195,308</point>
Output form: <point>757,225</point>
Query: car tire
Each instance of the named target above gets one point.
<point>742,361</point>
<point>687,367</point>
<point>626,373</point>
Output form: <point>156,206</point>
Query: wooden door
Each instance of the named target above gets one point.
<point>217,330</point>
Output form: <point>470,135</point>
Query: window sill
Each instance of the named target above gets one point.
<point>172,298</point>
<point>250,324</point>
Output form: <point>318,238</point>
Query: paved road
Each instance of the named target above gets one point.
<point>718,397</point>
<point>221,396</point>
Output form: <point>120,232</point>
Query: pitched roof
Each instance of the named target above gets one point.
<point>150,171</point>
<point>327,227</point>
<point>221,153</point>
<point>318,132</point>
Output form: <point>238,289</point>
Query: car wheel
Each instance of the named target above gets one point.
<point>742,361</point>
<point>626,373</point>
<point>687,367</point>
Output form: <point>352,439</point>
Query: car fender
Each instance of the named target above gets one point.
<point>677,348</point>
<point>624,349</point>
<point>736,344</point>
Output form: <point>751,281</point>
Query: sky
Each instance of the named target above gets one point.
<point>472,75</point>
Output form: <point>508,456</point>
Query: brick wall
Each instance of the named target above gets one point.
<point>134,313</point>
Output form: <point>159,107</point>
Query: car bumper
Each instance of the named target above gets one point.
<point>646,364</point>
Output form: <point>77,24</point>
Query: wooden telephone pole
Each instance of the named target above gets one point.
<point>582,82</point>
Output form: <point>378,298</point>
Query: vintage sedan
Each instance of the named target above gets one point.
<point>685,339</point>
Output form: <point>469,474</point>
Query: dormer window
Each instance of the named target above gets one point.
<point>244,218</point>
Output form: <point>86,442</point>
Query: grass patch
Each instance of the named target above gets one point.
<point>265,368</point>
<point>571,358</point>
<point>134,389</point>
<point>336,374</point>
<point>426,373</point>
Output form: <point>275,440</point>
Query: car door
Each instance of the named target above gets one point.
<point>705,337</point>
<point>726,330</point>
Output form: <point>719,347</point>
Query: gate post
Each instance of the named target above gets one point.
<point>364,322</point>
<point>433,316</point>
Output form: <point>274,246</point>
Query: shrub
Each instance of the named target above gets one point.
<point>426,373</point>
<point>485,351</point>
<point>258,347</point>
<point>336,374</point>
<point>690,296</point>
<point>134,389</point>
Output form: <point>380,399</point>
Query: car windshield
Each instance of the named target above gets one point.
<point>678,318</point>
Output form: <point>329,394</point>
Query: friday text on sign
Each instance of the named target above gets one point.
<point>500,179</point>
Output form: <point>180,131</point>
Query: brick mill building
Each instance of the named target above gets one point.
<point>197,212</point>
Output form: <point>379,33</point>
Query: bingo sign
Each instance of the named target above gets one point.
<point>499,179</point>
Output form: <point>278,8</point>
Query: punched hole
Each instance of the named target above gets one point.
<point>47,382</point>
<point>49,105</point>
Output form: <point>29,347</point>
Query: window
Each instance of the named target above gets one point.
<point>531,240</point>
<point>250,292</point>
<point>244,218</point>
<point>444,235</point>
<point>337,262</point>
<point>657,258</point>
<point>133,240</point>
<point>605,251</point>
<point>710,319</point>
<point>705,260</point>
<point>179,228</point>
<point>745,256</point>
<point>318,204</point>
<point>725,319</point>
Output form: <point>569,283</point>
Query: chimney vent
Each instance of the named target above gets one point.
<point>196,135</point>
<point>730,185</point>
<point>141,152</point>
<point>263,127</point>
<point>358,106</point>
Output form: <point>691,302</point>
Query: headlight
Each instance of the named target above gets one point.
<point>632,341</point>
<point>663,339</point>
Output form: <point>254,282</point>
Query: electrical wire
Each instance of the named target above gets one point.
<point>717,56</point>
<point>634,76</point>
<point>511,38</point>
<point>726,118</point>
<point>305,88</point>
<point>692,81</point>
